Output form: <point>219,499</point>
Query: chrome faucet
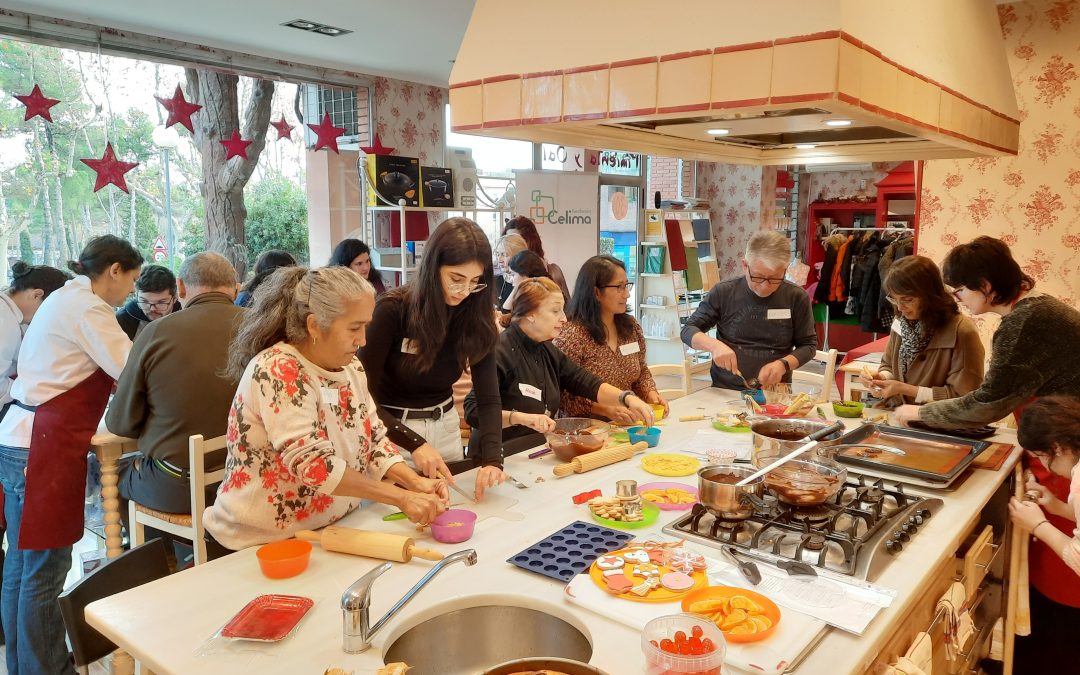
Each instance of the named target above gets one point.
<point>356,601</point>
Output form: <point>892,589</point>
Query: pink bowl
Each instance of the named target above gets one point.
<point>453,526</point>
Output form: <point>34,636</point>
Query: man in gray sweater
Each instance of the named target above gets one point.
<point>764,324</point>
<point>171,387</point>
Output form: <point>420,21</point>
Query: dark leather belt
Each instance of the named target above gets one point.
<point>27,408</point>
<point>435,413</point>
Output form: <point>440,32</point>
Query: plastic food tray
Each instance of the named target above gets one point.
<point>268,618</point>
<point>570,551</point>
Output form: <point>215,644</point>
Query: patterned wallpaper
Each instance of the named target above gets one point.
<point>844,184</point>
<point>1032,201</point>
<point>410,118</point>
<point>734,193</point>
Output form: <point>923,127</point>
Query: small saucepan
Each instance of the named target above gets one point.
<point>718,493</point>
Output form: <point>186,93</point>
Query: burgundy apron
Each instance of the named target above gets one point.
<point>56,468</point>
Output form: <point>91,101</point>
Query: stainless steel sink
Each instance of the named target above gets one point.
<point>468,641</point>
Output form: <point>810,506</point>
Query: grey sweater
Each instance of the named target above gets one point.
<point>1034,353</point>
<point>758,329</point>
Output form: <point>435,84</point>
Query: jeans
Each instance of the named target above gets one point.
<point>33,580</point>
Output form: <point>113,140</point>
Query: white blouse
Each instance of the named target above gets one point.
<point>73,333</point>
<point>11,335</point>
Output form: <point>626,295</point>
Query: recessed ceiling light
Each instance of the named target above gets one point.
<point>718,132</point>
<point>302,24</point>
<point>805,146</point>
<point>331,31</point>
<point>838,123</point>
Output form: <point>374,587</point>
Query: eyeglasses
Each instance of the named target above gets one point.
<point>622,287</point>
<point>765,280</point>
<point>466,287</point>
<point>900,302</point>
<point>160,305</point>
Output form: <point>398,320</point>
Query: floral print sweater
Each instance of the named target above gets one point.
<point>293,430</point>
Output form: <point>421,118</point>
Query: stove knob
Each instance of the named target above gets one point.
<point>900,535</point>
<point>917,520</point>
<point>925,513</point>
<point>893,546</point>
<point>910,527</point>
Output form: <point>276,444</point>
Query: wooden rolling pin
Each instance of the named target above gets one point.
<point>381,545</point>
<point>595,460</point>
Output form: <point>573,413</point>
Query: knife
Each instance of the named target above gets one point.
<point>461,492</point>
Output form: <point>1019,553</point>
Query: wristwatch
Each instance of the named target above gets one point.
<point>623,396</point>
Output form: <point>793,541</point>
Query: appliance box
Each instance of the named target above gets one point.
<point>395,177</point>
<point>436,186</point>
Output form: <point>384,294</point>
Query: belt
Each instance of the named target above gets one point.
<point>172,469</point>
<point>433,413</point>
<point>27,408</point>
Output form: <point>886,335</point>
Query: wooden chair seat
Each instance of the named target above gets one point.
<point>181,519</point>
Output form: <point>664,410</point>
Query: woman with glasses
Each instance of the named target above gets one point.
<point>934,352</point>
<point>527,229</point>
<point>1033,353</point>
<point>534,374</point>
<point>422,337</point>
<point>155,297</point>
<point>606,341</point>
<point>508,246</point>
<point>524,265</point>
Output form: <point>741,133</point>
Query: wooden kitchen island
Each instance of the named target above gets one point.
<point>166,624</point>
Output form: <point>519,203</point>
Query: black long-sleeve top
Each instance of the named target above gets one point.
<point>393,383</point>
<point>759,330</point>
<point>532,376</point>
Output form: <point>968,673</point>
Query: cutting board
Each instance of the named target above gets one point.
<point>793,635</point>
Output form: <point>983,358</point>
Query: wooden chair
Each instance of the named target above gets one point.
<point>825,380</point>
<point>141,565</point>
<point>181,524</point>
<point>681,370</point>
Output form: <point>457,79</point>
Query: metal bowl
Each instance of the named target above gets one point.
<point>806,482</point>
<point>725,499</point>
<point>774,438</point>
<point>574,436</point>
<point>542,664</point>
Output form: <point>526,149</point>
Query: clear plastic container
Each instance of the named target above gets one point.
<point>659,662</point>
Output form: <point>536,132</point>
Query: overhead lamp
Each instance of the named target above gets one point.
<point>838,123</point>
<point>331,31</point>
<point>805,146</point>
<point>718,132</point>
<point>302,24</point>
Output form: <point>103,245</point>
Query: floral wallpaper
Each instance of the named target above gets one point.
<point>844,184</point>
<point>1032,201</point>
<point>410,118</point>
<point>734,192</point>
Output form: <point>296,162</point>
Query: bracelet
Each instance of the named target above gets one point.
<point>1041,522</point>
<point>510,418</point>
<point>623,396</point>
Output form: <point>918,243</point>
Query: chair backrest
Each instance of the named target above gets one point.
<point>824,380</point>
<point>198,450</point>
<point>680,370</point>
<point>133,568</point>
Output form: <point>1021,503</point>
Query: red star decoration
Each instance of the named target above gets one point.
<point>235,146</point>
<point>180,109</point>
<point>37,104</point>
<point>284,129</point>
<point>327,133</point>
<point>377,149</point>
<point>109,169</point>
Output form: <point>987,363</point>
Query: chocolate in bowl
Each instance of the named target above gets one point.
<point>806,482</point>
<point>575,436</point>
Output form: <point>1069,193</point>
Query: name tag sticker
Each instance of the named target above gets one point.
<point>896,328</point>
<point>779,314</point>
<point>629,348</point>
<point>529,390</point>
<point>409,347</point>
<point>329,395</point>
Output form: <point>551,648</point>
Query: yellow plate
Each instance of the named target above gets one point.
<point>668,464</point>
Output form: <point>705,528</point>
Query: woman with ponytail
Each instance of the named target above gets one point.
<point>305,444</point>
<point>72,352</point>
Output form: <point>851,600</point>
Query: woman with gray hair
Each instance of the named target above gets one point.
<point>764,324</point>
<point>304,441</point>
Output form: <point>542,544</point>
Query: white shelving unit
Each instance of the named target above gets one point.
<point>662,321</point>
<point>369,215</point>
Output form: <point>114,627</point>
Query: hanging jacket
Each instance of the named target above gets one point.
<point>838,290</point>
<point>821,294</point>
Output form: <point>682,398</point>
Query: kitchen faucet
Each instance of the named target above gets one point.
<point>356,601</point>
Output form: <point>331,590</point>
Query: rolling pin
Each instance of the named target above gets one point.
<point>381,545</point>
<point>595,460</point>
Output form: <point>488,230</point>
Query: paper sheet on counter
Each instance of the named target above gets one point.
<point>711,439</point>
<point>847,606</point>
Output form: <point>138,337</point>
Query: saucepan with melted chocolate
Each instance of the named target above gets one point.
<point>718,492</point>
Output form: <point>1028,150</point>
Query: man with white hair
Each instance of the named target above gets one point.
<point>171,387</point>
<point>764,324</point>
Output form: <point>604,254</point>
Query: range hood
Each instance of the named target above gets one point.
<point>766,82</point>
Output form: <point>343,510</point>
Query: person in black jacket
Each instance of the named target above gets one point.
<point>533,372</point>
<point>155,297</point>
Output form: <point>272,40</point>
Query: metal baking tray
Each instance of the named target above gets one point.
<point>933,457</point>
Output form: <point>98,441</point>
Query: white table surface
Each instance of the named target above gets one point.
<point>165,624</point>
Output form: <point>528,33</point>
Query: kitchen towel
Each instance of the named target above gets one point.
<point>675,244</point>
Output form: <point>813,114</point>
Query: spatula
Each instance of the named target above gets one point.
<point>813,441</point>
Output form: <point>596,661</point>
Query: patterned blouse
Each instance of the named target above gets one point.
<point>622,369</point>
<point>293,430</point>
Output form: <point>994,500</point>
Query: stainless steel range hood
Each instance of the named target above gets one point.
<point>767,82</point>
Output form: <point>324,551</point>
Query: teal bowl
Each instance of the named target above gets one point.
<point>651,435</point>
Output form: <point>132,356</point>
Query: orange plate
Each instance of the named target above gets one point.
<point>771,610</point>
<point>659,594</point>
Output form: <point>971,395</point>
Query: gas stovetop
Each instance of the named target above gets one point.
<point>855,533</point>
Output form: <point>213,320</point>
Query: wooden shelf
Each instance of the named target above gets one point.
<point>844,206</point>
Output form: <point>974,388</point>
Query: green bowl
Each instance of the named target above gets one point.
<point>848,408</point>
